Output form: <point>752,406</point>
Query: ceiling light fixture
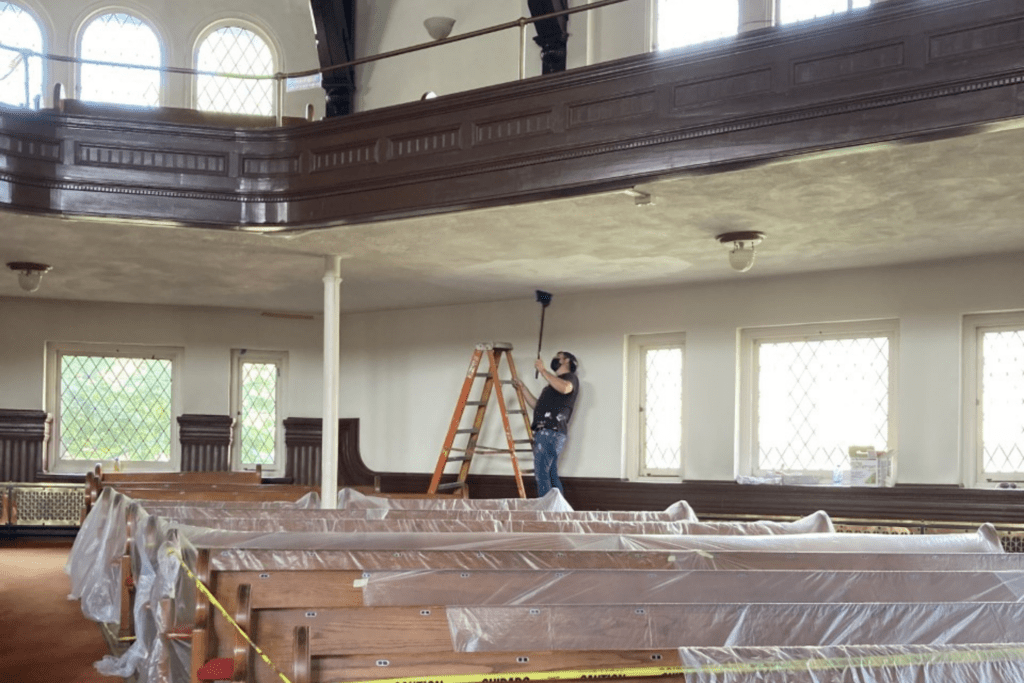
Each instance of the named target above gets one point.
<point>741,258</point>
<point>29,274</point>
<point>640,198</point>
<point>439,28</point>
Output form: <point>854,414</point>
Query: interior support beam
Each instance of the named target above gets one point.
<point>332,383</point>
<point>552,34</point>
<point>334,21</point>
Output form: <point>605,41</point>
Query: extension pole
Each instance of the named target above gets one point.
<point>544,298</point>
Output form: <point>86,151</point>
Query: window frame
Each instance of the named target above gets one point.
<point>777,13</point>
<point>280,359</point>
<point>45,32</point>
<point>162,44</point>
<point>636,345</point>
<point>972,463</point>
<point>276,55</point>
<point>749,338</point>
<point>651,18</point>
<point>55,351</point>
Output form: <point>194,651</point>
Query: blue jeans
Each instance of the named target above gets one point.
<point>547,445</point>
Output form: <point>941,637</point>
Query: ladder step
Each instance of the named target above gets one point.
<point>493,377</point>
<point>495,345</point>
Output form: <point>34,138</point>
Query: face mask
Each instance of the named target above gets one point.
<point>555,364</point>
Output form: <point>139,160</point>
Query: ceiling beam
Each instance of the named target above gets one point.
<point>334,21</point>
<point>552,34</point>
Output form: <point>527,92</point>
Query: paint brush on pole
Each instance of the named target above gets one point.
<point>544,299</point>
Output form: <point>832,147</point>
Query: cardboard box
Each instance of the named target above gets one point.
<point>869,467</point>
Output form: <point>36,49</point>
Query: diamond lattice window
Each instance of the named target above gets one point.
<point>1002,402</point>
<point>687,22</point>
<point>240,53</point>
<point>121,39</point>
<point>661,422</point>
<point>258,413</point>
<point>802,10</point>
<point>21,73</point>
<point>815,399</point>
<point>115,407</point>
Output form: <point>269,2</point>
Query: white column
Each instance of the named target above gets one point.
<point>332,372</point>
<point>755,14</point>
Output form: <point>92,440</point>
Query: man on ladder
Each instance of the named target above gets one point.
<point>551,413</point>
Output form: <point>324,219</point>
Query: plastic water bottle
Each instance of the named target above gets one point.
<point>837,477</point>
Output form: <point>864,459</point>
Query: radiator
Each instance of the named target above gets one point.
<point>42,504</point>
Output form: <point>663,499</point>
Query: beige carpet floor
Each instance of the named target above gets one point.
<point>44,638</point>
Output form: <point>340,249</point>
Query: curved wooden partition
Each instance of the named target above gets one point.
<point>893,71</point>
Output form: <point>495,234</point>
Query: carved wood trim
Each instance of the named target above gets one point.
<point>303,440</point>
<point>205,442</point>
<point>776,92</point>
<point>23,437</point>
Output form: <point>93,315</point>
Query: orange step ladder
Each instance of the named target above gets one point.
<point>492,383</point>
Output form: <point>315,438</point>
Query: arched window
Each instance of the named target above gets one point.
<point>122,39</point>
<point>21,73</point>
<point>687,22</point>
<point>802,10</point>
<point>240,52</point>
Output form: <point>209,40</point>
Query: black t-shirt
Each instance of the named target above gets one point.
<point>553,408</point>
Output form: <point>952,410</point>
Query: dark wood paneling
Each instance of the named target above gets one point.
<point>726,499</point>
<point>302,438</point>
<point>894,70</point>
<point>23,437</point>
<point>205,442</point>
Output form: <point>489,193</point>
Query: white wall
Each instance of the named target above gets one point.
<point>286,24</point>
<point>383,26</point>
<point>207,336</point>
<point>402,370</point>
<point>601,35</point>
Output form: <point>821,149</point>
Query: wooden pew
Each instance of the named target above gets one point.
<point>126,482</point>
<point>230,477</point>
<point>367,643</point>
<point>319,590</point>
<point>347,634</point>
<point>240,493</point>
<point>323,521</point>
<point>334,642</point>
<point>339,521</point>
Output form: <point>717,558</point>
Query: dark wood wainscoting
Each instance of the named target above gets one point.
<point>205,442</point>
<point>729,500</point>
<point>23,437</point>
<point>896,70</point>
<point>302,439</point>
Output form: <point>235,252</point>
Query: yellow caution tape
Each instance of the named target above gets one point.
<point>863,661</point>
<point>213,601</point>
<point>866,661</point>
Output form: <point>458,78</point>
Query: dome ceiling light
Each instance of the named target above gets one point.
<point>29,274</point>
<point>741,257</point>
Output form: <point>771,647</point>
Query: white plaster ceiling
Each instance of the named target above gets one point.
<point>872,205</point>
